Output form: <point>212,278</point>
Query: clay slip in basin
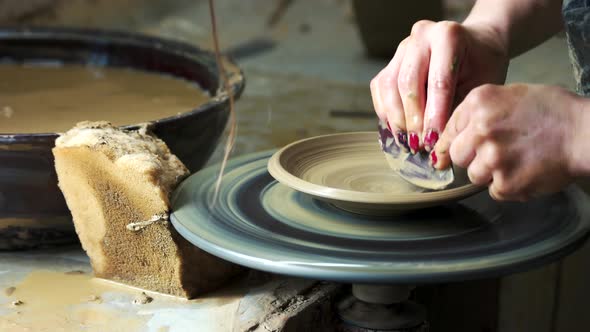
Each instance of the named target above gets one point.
<point>350,171</point>
<point>33,212</point>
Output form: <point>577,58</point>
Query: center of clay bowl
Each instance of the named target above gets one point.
<point>362,171</point>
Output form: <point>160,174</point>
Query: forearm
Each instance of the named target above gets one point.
<point>520,25</point>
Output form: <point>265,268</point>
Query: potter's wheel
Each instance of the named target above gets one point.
<point>260,223</point>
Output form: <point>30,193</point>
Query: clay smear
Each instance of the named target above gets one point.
<point>54,301</point>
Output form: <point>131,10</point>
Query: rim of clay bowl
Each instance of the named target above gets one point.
<point>100,45</point>
<point>281,170</point>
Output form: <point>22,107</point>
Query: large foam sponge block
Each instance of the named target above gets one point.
<point>117,185</point>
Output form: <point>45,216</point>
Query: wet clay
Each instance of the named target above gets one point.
<point>358,171</point>
<point>73,301</point>
<point>43,99</point>
<point>346,162</point>
<point>53,301</point>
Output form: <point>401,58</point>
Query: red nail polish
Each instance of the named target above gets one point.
<point>389,127</point>
<point>430,139</point>
<point>414,142</point>
<point>433,158</point>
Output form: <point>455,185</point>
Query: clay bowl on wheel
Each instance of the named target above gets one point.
<point>350,171</point>
<point>33,212</point>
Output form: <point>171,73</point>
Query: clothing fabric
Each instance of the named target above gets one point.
<point>576,16</point>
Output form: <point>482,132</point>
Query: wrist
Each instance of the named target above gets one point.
<point>491,36</point>
<point>577,138</point>
<point>494,34</point>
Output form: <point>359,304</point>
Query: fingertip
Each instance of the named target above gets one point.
<point>433,158</point>
<point>414,113</point>
<point>431,137</point>
<point>492,193</point>
<point>495,195</point>
<point>414,142</point>
<point>478,173</point>
<point>440,150</point>
<point>463,148</point>
<point>397,125</point>
<point>399,135</point>
<point>393,130</point>
<point>443,164</point>
<point>442,159</point>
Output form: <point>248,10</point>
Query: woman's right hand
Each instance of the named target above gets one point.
<point>432,70</point>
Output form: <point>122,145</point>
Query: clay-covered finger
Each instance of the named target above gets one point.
<point>499,195</point>
<point>376,98</point>
<point>395,114</point>
<point>464,148</point>
<point>494,194</point>
<point>386,100</point>
<point>479,172</point>
<point>445,60</point>
<point>412,88</point>
<point>441,156</point>
<point>507,186</point>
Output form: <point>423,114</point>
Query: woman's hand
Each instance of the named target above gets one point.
<point>432,70</point>
<point>522,140</point>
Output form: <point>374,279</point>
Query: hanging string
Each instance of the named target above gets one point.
<point>226,88</point>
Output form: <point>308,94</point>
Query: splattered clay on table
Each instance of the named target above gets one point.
<point>54,301</point>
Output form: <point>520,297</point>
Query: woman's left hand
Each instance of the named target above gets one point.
<point>516,138</point>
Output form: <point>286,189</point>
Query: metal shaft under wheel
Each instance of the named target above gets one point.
<point>380,308</point>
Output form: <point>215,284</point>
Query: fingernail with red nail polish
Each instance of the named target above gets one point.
<point>389,127</point>
<point>430,139</point>
<point>402,138</point>
<point>433,158</point>
<point>414,142</point>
